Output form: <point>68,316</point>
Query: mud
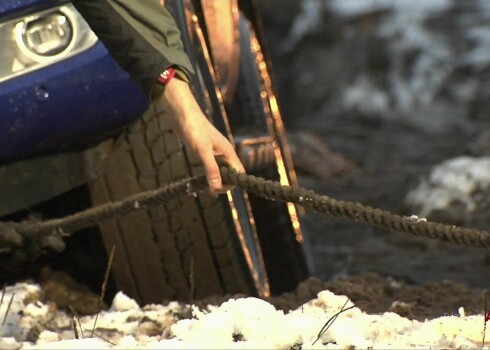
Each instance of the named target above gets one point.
<point>376,294</point>
<point>371,292</point>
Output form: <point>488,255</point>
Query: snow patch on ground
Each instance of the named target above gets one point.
<point>248,323</point>
<point>358,7</point>
<point>453,181</point>
<point>479,55</point>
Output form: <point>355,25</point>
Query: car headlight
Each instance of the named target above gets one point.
<point>41,39</point>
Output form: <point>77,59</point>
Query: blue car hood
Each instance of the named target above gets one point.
<point>8,7</point>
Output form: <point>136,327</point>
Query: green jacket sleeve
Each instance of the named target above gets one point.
<point>141,36</point>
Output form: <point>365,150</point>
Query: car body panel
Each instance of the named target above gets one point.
<point>9,8</point>
<point>70,104</point>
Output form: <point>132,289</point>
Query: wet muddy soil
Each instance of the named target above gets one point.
<point>390,160</point>
<point>363,262</point>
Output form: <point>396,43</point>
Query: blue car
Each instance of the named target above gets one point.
<point>70,118</point>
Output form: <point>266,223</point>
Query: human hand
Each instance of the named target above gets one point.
<point>196,131</point>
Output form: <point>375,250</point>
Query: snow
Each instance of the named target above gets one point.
<point>122,302</point>
<point>305,22</point>
<point>365,96</point>
<point>410,96</point>
<point>358,7</point>
<point>425,55</point>
<point>244,323</point>
<point>456,180</point>
<point>479,55</point>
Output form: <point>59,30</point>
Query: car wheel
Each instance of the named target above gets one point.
<point>197,246</point>
<point>185,249</point>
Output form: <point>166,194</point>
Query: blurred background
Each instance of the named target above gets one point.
<point>386,103</point>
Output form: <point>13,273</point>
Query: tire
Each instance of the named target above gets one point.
<point>195,247</point>
<point>183,250</point>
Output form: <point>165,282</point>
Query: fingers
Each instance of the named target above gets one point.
<point>230,158</point>
<point>211,169</point>
<point>218,152</point>
<point>223,161</point>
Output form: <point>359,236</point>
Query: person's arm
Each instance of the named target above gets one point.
<point>197,132</point>
<point>141,35</point>
<point>143,38</point>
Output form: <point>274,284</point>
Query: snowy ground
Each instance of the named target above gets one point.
<point>235,324</point>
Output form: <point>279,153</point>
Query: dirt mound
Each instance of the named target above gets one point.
<point>377,294</point>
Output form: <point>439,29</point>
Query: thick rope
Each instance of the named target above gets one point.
<point>49,233</point>
<point>36,236</point>
<point>358,212</point>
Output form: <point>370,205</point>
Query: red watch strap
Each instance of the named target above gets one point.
<point>166,76</point>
